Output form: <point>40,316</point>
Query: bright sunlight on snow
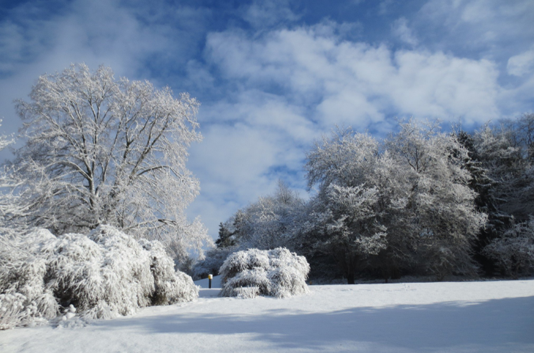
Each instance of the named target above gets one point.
<point>487,316</point>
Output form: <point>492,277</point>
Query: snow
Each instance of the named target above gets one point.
<point>487,316</point>
<point>277,272</point>
<point>104,274</point>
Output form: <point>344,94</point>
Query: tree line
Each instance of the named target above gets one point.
<point>417,203</point>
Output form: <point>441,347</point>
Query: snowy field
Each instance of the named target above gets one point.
<point>485,317</point>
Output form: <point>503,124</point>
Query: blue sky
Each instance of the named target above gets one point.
<point>273,76</point>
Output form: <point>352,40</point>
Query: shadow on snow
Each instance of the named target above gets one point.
<point>498,325</point>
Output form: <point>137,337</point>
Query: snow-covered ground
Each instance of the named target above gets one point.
<point>491,316</point>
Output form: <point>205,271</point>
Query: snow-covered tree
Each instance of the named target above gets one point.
<point>102,275</point>
<point>4,140</point>
<point>485,201</point>
<point>514,250</point>
<point>503,151</point>
<point>265,224</point>
<point>253,272</point>
<point>344,217</point>
<point>440,212</point>
<point>271,222</point>
<point>11,210</point>
<point>401,204</point>
<point>520,132</point>
<point>105,151</point>
<point>226,238</point>
<point>213,261</point>
<point>502,175</point>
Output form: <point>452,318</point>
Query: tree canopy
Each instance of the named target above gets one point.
<point>101,150</point>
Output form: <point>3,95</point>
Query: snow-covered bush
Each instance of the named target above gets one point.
<point>170,286</point>
<point>279,273</point>
<point>103,275</point>
<point>24,296</point>
<point>514,250</point>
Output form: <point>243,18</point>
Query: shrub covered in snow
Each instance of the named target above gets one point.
<point>279,273</point>
<point>103,275</point>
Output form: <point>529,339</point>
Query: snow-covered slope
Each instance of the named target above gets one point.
<point>404,317</point>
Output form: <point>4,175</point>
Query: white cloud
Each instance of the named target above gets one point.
<point>268,13</point>
<point>317,79</point>
<point>477,12</point>
<point>35,41</point>
<point>521,64</point>
<point>385,6</point>
<point>445,87</point>
<point>498,31</point>
<point>487,28</point>
<point>355,83</point>
<point>248,144</point>
<point>401,30</point>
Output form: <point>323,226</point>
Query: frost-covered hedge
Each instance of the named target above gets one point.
<point>253,272</point>
<point>103,275</point>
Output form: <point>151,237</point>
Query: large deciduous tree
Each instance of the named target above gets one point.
<point>105,151</point>
<point>344,217</point>
<point>440,213</point>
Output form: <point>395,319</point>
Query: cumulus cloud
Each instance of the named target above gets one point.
<point>500,32</point>
<point>401,30</point>
<point>357,83</point>
<point>519,65</point>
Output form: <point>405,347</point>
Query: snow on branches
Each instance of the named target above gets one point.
<point>107,151</point>
<point>253,272</point>
<point>102,275</point>
<point>405,200</point>
<point>514,250</point>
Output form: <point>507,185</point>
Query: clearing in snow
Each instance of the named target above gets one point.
<point>486,316</point>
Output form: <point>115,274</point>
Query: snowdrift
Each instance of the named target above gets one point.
<point>102,275</point>
<point>254,272</point>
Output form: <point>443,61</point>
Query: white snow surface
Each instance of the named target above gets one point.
<point>486,316</point>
